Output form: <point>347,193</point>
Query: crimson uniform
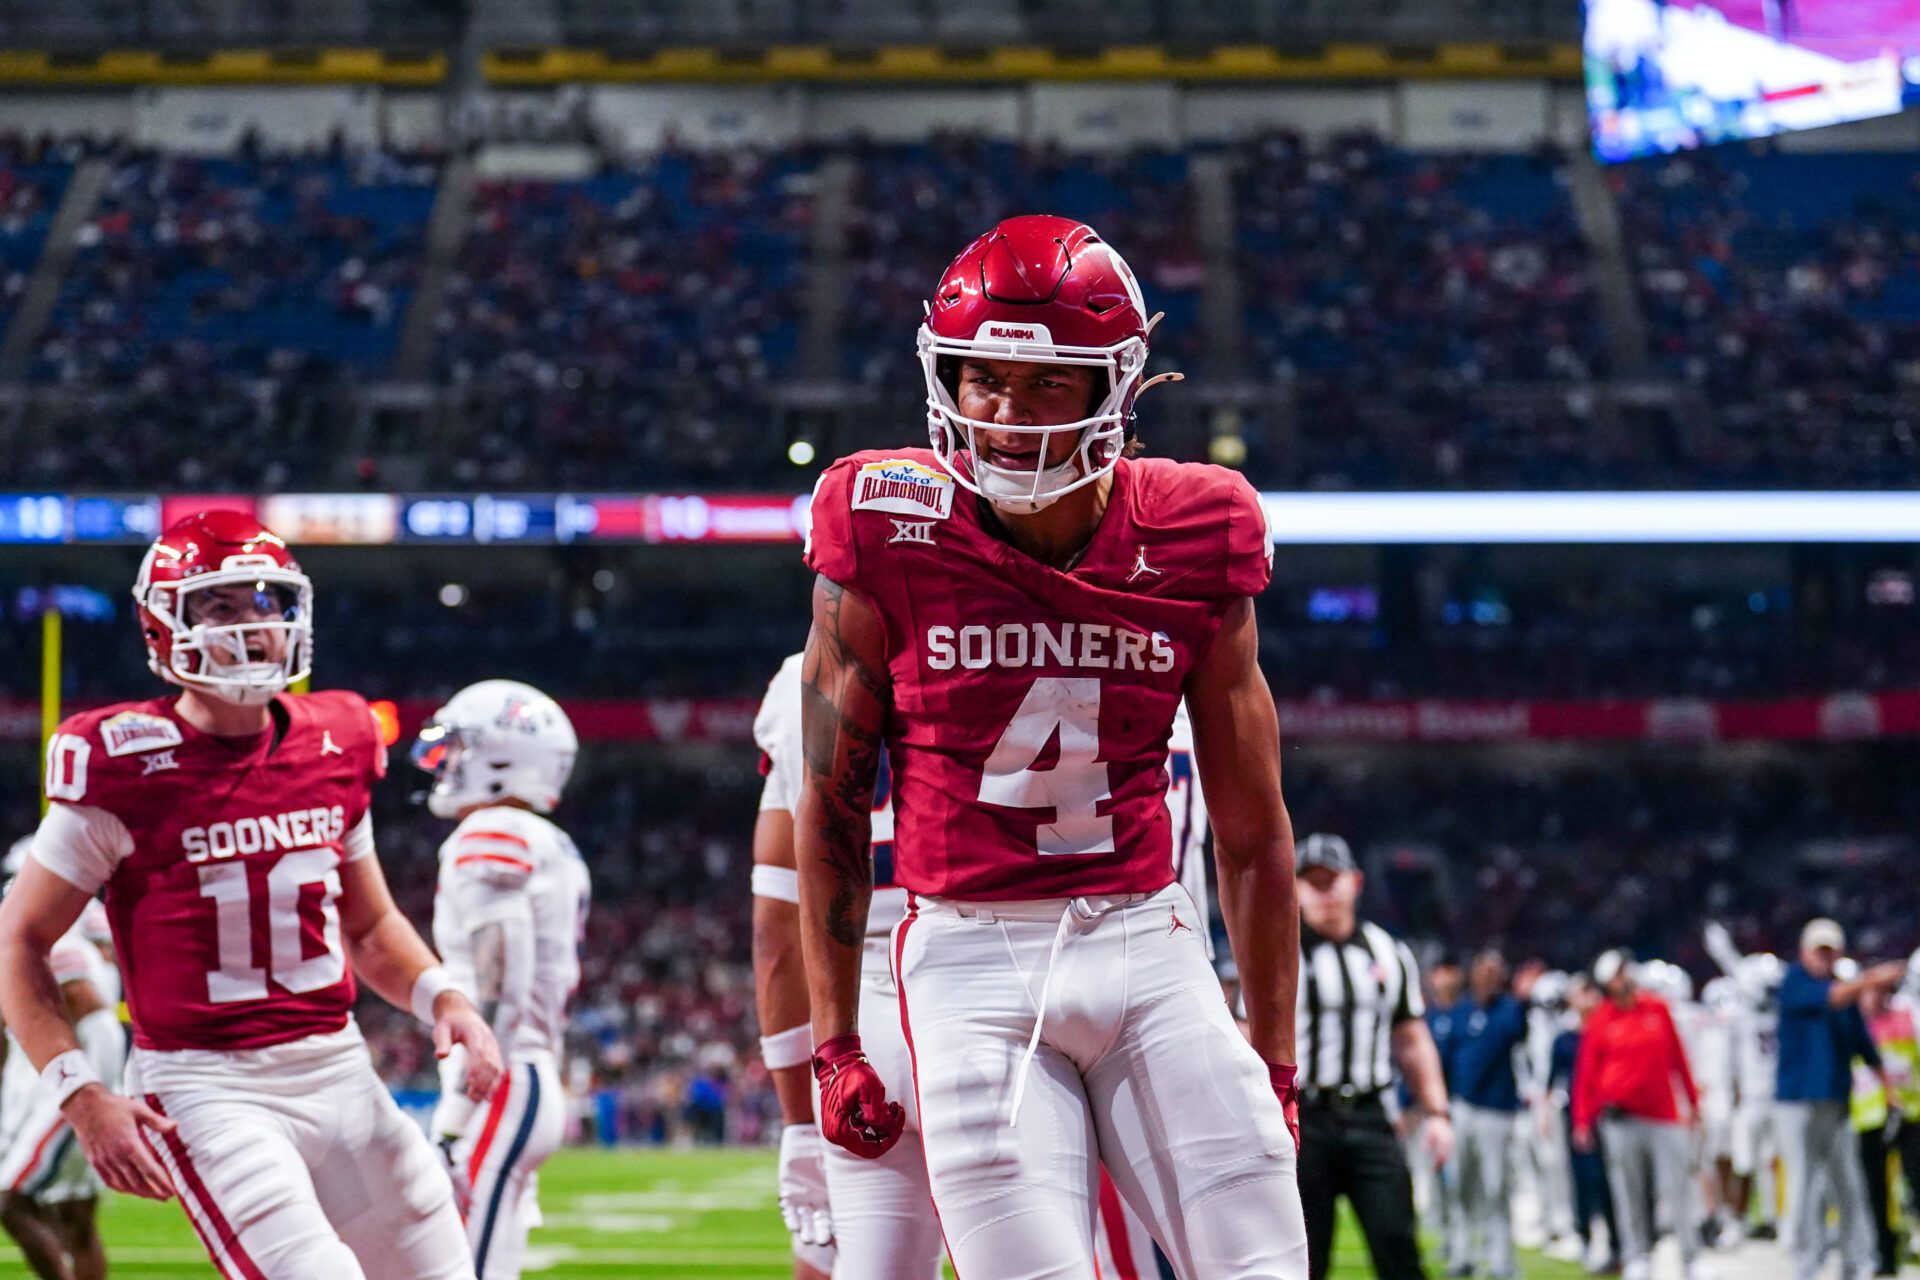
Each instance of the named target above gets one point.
<point>1055,988</point>
<point>220,858</point>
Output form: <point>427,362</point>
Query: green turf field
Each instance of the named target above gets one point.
<point>649,1215</point>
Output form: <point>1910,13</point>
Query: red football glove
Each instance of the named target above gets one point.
<point>854,1112</point>
<point>1286,1087</point>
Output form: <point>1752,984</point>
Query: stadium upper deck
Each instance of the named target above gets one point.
<point>1354,313</point>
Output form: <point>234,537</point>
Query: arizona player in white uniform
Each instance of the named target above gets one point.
<point>851,1217</point>
<point>1756,1064</point>
<point>49,1194</point>
<point>509,917</point>
<point>1715,1071</point>
<point>230,829</point>
<point>1541,1127</point>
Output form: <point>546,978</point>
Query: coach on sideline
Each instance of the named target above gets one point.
<point>1821,1032</point>
<point>1359,1013</point>
<point>1624,1078</point>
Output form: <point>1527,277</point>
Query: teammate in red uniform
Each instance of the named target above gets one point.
<point>1013,617</point>
<point>230,830</point>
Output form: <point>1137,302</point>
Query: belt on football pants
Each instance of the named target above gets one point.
<point>1084,910</point>
<point>1341,1099</point>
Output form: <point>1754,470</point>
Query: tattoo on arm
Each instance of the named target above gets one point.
<point>842,749</point>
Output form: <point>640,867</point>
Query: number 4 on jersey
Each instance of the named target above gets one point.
<point>1078,780</point>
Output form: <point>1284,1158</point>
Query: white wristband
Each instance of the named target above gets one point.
<point>67,1074</point>
<point>426,989</point>
<point>790,1048</point>
<point>782,884</point>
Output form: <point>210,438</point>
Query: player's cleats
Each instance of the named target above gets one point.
<point>854,1112</point>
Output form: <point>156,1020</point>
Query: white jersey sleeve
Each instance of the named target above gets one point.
<point>82,845</point>
<point>1756,1051</point>
<point>73,959</point>
<point>510,867</point>
<point>94,924</point>
<point>1188,809</point>
<point>776,731</point>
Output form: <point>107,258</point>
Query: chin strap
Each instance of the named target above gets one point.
<point>1156,379</point>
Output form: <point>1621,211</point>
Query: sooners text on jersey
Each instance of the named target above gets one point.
<point>224,906</point>
<point>1031,706</point>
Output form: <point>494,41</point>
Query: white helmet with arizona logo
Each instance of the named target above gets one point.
<point>493,741</point>
<point>225,608</point>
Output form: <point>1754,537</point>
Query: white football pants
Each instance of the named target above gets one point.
<point>504,1146</point>
<point>293,1163</point>
<point>883,1220</point>
<point>1137,1064</point>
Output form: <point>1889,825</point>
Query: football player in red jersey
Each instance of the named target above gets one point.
<point>229,827</point>
<point>1013,617</point>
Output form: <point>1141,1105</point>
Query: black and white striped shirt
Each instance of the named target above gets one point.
<point>1352,995</point>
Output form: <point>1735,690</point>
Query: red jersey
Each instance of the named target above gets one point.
<point>221,861</point>
<point>1031,705</point>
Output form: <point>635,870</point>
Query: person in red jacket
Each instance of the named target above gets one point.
<point>1628,1080</point>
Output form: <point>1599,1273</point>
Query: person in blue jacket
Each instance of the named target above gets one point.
<point>1821,1033</point>
<point>1489,1026</point>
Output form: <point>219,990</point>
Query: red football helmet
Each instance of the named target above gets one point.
<point>232,653</point>
<point>1044,289</point>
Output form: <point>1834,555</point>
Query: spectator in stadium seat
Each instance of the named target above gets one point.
<point>1630,1062</point>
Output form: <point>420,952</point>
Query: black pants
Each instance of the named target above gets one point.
<point>1592,1197</point>
<point>1873,1155</point>
<point>1352,1151</point>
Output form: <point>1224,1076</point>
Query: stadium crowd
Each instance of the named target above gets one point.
<point>239,268</point>
<point>695,258</point>
<point>910,205</point>
<point>1409,319</point>
<point>33,177</point>
<point>1780,287</point>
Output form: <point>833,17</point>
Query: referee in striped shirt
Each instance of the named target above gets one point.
<point>1360,1015</point>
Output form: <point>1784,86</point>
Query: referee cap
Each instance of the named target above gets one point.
<point>1322,850</point>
